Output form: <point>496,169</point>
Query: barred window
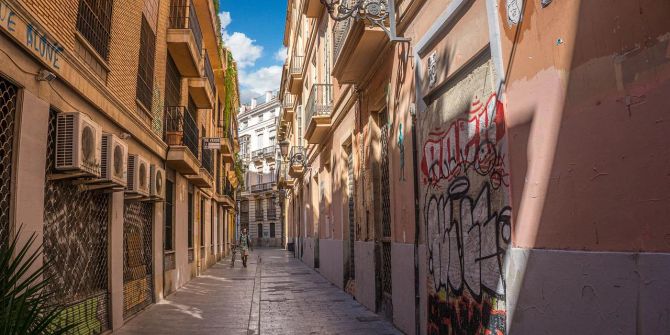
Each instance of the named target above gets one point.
<point>202,222</point>
<point>94,21</point>
<point>172,84</point>
<point>145,71</point>
<point>190,220</point>
<point>169,216</point>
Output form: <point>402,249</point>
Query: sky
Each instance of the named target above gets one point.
<point>254,31</point>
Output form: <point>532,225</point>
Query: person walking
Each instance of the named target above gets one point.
<point>244,246</point>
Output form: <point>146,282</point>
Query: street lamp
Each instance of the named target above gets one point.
<point>283,148</point>
<point>380,13</point>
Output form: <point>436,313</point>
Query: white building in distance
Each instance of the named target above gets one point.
<point>258,201</point>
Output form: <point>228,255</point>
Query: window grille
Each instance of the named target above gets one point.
<point>137,256</point>
<point>8,95</point>
<point>172,83</point>
<point>169,216</point>
<point>190,224</point>
<point>75,246</point>
<point>386,284</point>
<point>145,71</point>
<point>94,21</point>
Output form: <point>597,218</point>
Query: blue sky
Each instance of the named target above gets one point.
<point>253,30</point>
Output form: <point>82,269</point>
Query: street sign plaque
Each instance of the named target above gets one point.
<point>212,142</point>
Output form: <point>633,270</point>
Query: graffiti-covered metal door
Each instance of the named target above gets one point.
<point>76,225</point>
<point>464,185</point>
<point>350,270</point>
<point>8,100</point>
<point>385,245</point>
<point>137,255</point>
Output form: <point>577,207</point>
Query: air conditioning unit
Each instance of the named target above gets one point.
<point>157,183</point>
<point>114,165</point>
<point>138,175</point>
<point>78,144</point>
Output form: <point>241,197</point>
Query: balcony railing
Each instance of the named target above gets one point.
<point>261,187</point>
<point>272,213</point>
<point>265,152</point>
<point>340,32</point>
<point>320,101</point>
<point>296,64</point>
<point>181,129</point>
<point>183,16</point>
<point>297,155</point>
<point>288,101</point>
<point>207,161</point>
<point>209,72</point>
<point>259,215</point>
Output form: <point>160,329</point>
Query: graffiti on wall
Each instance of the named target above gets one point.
<point>468,221</point>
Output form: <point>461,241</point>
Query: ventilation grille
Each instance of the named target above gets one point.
<point>65,142</point>
<point>105,169</point>
<point>132,160</point>
<point>117,160</point>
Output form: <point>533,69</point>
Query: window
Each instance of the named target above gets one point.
<point>260,117</point>
<point>190,220</point>
<point>169,216</point>
<point>272,140</point>
<point>145,71</point>
<point>172,83</point>
<point>94,22</point>
<point>202,222</point>
<point>260,230</point>
<point>211,238</point>
<point>272,230</point>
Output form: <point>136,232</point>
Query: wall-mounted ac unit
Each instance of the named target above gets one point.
<point>114,166</point>
<point>157,183</point>
<point>138,175</point>
<point>78,144</point>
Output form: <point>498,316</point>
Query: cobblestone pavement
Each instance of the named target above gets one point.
<point>278,295</point>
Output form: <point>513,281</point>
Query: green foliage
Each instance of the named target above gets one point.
<point>25,301</point>
<point>231,90</point>
<point>239,171</point>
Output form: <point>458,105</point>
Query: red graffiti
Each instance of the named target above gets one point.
<point>464,315</point>
<point>468,142</point>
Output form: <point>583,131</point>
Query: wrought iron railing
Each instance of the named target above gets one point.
<point>209,73</point>
<point>265,152</point>
<point>297,155</point>
<point>207,161</point>
<point>272,213</point>
<point>244,206</point>
<point>296,64</point>
<point>183,16</point>
<point>181,129</point>
<point>288,101</point>
<point>340,31</point>
<point>94,21</point>
<point>262,187</point>
<point>320,101</point>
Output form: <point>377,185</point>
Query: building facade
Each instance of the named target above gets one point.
<point>482,166</point>
<point>112,114</point>
<point>259,200</point>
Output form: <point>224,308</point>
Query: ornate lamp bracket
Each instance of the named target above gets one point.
<point>380,13</point>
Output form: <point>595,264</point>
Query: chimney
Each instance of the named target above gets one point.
<point>254,103</point>
<point>268,96</point>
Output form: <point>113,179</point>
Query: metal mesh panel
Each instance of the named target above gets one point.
<point>75,246</point>
<point>145,72</point>
<point>7,114</point>
<point>137,254</point>
<point>386,223</point>
<point>94,22</point>
<point>352,232</point>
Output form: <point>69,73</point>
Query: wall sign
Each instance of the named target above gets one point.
<point>31,38</point>
<point>211,143</point>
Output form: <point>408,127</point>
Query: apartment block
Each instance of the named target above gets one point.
<point>117,133</point>
<point>456,167</point>
<point>259,199</point>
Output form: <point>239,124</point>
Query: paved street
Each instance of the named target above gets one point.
<point>278,295</point>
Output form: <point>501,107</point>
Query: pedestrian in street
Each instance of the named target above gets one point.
<point>244,246</point>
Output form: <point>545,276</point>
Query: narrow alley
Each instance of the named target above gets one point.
<point>278,295</point>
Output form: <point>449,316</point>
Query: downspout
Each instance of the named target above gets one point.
<point>417,296</point>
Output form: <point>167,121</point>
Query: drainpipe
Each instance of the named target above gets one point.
<point>417,297</point>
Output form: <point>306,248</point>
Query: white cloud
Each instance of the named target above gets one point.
<point>253,82</point>
<point>256,83</point>
<point>280,55</point>
<point>225,20</point>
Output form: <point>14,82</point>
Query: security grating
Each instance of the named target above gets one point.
<point>94,22</point>
<point>8,93</point>
<point>137,254</point>
<point>145,72</point>
<point>75,247</point>
<point>386,284</point>
<point>352,232</point>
